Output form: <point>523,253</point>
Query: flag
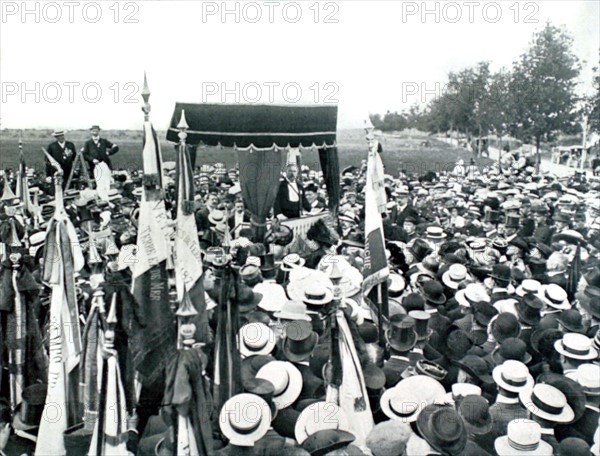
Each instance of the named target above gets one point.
<point>375,177</point>
<point>23,188</point>
<point>375,269</point>
<point>62,258</point>
<point>353,396</point>
<point>7,193</point>
<point>154,341</point>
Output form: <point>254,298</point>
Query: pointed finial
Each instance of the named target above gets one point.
<point>111,319</point>
<point>186,308</point>
<point>98,299</point>
<point>146,98</point>
<point>20,142</point>
<point>183,126</point>
<point>335,274</point>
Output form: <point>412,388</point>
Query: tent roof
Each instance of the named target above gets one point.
<point>257,126</point>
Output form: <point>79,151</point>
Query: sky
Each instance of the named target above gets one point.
<point>68,65</point>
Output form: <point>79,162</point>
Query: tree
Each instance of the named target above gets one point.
<point>544,83</point>
<point>501,104</point>
<point>591,108</point>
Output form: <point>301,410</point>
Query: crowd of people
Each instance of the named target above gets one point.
<point>488,341</point>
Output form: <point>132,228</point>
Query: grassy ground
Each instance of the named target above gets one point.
<point>400,151</point>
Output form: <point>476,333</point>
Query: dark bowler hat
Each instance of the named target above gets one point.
<point>326,441</point>
<point>593,277</point>
<point>443,429</point>
<point>572,321</point>
<point>592,303</point>
<point>504,326</point>
<point>413,301</point>
<point>476,367</point>
<point>501,272</point>
<point>433,292</point>
<point>401,335</point>
<point>262,388</point>
<point>247,298</point>
<point>511,348</point>
<point>252,364</point>
<point>537,266</point>
<point>475,411</point>
<point>483,313</point>
<point>458,343</point>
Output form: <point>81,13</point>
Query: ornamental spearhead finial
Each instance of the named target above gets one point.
<point>183,126</point>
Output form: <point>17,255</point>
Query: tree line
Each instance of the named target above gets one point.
<point>534,101</point>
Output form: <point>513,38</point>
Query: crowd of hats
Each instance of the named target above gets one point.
<point>491,345</point>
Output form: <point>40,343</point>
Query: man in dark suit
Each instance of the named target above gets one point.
<point>64,153</point>
<point>291,200</point>
<point>238,218</point>
<point>97,149</point>
<point>317,204</point>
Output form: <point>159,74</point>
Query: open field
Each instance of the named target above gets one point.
<point>400,150</point>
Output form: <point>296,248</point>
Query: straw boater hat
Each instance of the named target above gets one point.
<point>460,390</point>
<point>588,376</point>
<point>411,395</point>
<point>548,403</point>
<point>291,261</point>
<point>286,379</point>
<point>317,294</point>
<point>472,293</point>
<point>244,419</point>
<point>513,376</point>
<point>576,346</point>
<point>523,438</point>
<point>256,339</point>
<point>318,417</point>
<point>528,286</point>
<point>555,296</point>
<point>455,274</point>
<point>293,310</point>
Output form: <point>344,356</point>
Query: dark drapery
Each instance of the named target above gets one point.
<point>331,173</point>
<point>259,178</point>
<point>261,126</point>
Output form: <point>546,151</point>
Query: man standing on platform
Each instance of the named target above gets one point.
<point>97,149</point>
<point>290,199</point>
<point>63,152</point>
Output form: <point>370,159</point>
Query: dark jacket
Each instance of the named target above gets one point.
<point>64,157</point>
<point>283,205</point>
<point>100,152</point>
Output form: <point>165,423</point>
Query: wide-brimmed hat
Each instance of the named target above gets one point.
<point>433,292</point>
<point>572,390</point>
<point>523,438</point>
<point>443,429</point>
<point>244,419</point>
<point>216,217</point>
<point>475,412</point>
<point>570,237</point>
<point>572,321</point>
<point>513,376</point>
<point>317,294</point>
<point>247,299</point>
<point>476,367</point>
<point>473,293</point>
<point>291,261</point>
<point>300,340</point>
<point>576,346</point>
<point>588,376</point>
<point>252,364</point>
<point>455,274</point>
<point>411,395</point>
<point>256,339</point>
<point>56,133</point>
<point>326,441</point>
<point>511,348</point>
<point>591,301</point>
<point>435,233</point>
<point>555,296</point>
<point>460,390</point>
<point>401,334</point>
<point>249,272</point>
<point>320,416</point>
<point>528,286</point>
<point>286,379</point>
<point>547,402</point>
<point>293,310</point>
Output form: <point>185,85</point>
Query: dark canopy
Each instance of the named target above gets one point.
<point>259,126</point>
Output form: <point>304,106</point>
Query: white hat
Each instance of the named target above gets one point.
<point>576,346</point>
<point>474,292</point>
<point>293,310</point>
<point>273,296</point>
<point>462,390</point>
<point>513,376</point>
<point>411,395</point>
<point>528,286</point>
<point>524,437</point>
<point>256,339</point>
<point>588,376</point>
<point>548,403</point>
<point>287,380</point>
<point>555,296</point>
<point>320,416</point>
<point>244,419</point>
<point>455,274</point>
